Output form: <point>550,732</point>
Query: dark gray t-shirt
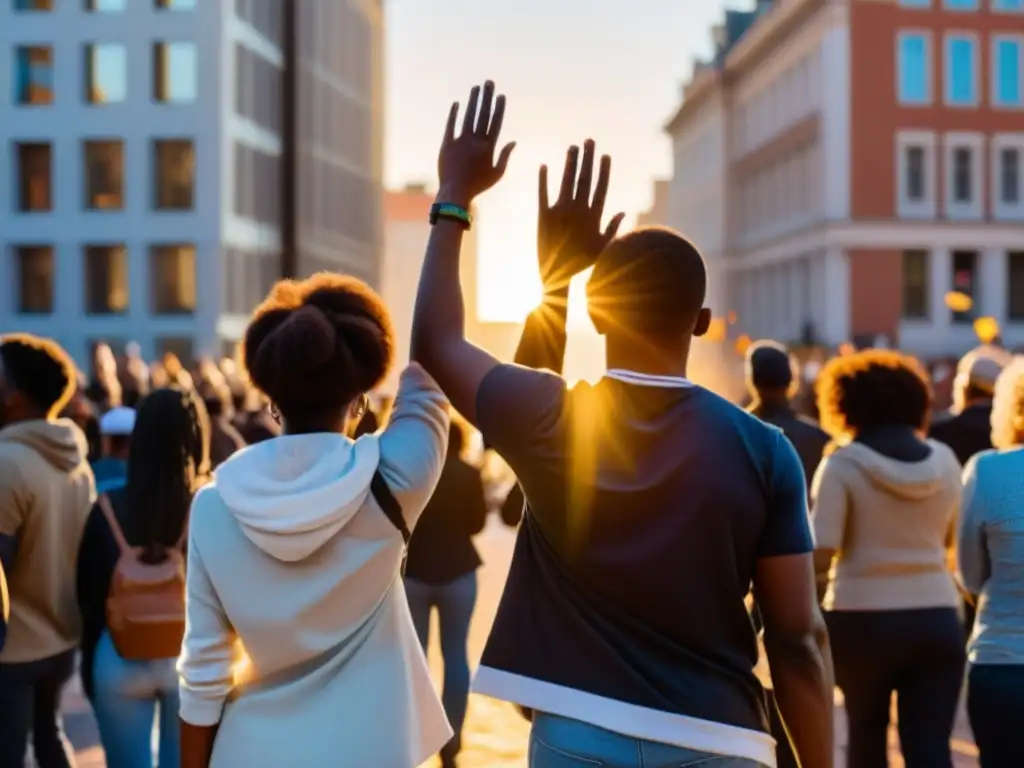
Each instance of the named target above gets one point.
<point>648,507</point>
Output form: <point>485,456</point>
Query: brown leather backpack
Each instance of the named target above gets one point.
<point>145,602</point>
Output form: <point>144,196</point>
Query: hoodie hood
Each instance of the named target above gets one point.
<point>60,441</point>
<point>910,480</point>
<point>292,494</point>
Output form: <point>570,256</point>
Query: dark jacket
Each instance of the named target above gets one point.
<point>442,547</point>
<point>806,436</point>
<point>97,557</point>
<point>225,440</point>
<point>967,433</point>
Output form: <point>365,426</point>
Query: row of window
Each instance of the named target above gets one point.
<point>965,268</point>
<point>174,165</point>
<point>1006,6</point>
<point>964,185</point>
<point>105,284</point>
<point>961,75</point>
<point>175,73</point>
<point>265,16</point>
<point>258,89</point>
<point>105,6</point>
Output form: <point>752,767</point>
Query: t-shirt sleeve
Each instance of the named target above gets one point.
<point>788,530</point>
<point>519,412</point>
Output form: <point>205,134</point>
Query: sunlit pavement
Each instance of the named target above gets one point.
<point>495,735</point>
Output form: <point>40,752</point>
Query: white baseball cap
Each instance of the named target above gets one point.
<point>117,422</point>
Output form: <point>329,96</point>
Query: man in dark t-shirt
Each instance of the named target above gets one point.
<point>652,504</point>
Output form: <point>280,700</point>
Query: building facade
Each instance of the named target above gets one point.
<point>145,196</point>
<point>856,160</point>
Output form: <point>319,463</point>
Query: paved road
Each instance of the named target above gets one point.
<point>495,734</point>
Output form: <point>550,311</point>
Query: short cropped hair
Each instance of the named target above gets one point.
<point>314,345</point>
<point>650,281</point>
<point>1008,406</point>
<point>871,388</point>
<point>39,369</point>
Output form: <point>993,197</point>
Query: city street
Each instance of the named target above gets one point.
<point>495,735</point>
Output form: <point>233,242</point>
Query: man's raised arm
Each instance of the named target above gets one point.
<point>466,167</point>
<point>569,240</point>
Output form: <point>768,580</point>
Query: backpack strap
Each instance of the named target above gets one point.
<point>115,527</point>
<point>389,505</point>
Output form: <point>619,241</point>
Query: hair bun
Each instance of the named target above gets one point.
<point>304,341</point>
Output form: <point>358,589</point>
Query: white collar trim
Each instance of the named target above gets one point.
<point>648,379</point>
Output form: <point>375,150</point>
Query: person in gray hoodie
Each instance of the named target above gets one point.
<point>885,505</point>
<point>295,553</point>
<point>46,491</point>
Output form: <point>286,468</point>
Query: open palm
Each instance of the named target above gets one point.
<point>569,234</point>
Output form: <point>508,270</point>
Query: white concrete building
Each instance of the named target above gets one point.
<point>142,198</point>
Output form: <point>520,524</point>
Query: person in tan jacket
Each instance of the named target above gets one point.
<point>46,491</point>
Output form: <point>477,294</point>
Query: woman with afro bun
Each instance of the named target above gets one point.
<point>884,514</point>
<point>296,552</point>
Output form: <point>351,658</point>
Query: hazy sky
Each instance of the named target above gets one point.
<point>571,69</point>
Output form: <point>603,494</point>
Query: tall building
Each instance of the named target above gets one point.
<point>170,159</point>
<point>847,163</point>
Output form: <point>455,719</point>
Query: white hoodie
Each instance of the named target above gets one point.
<point>290,555</point>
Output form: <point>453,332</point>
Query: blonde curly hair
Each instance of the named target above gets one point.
<point>874,387</point>
<point>1008,406</point>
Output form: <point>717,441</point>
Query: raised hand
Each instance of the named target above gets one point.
<point>466,165</point>
<point>569,235</point>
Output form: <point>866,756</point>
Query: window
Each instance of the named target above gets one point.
<point>173,174</point>
<point>916,285</point>
<point>33,75</point>
<point>961,5</point>
<point>914,55</point>
<point>1009,175</point>
<point>175,5</point>
<point>33,5</point>
<point>1011,6</point>
<point>173,279</point>
<point>106,6</point>
<point>916,3</point>
<point>106,279</point>
<point>962,160</point>
<point>1015,285</point>
<point>961,70</point>
<point>106,73</point>
<point>965,274</point>
<point>35,278</point>
<point>1007,69</point>
<point>104,175</point>
<point>175,75</point>
<point>34,177</point>
<point>915,174</point>
<point>181,348</point>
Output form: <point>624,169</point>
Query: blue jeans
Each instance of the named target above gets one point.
<point>454,602</point>
<point>125,699</point>
<point>557,742</point>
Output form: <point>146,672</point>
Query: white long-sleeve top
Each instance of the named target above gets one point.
<point>290,555</point>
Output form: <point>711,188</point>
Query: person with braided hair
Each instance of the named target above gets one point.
<point>296,552</point>
<point>167,463</point>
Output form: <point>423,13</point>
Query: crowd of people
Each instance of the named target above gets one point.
<point>245,558</point>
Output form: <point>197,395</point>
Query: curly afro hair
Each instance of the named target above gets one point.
<point>315,345</point>
<point>40,369</point>
<point>873,388</point>
<point>1008,406</point>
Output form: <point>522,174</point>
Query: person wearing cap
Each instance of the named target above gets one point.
<point>966,427</point>
<point>116,427</point>
<point>771,382</point>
